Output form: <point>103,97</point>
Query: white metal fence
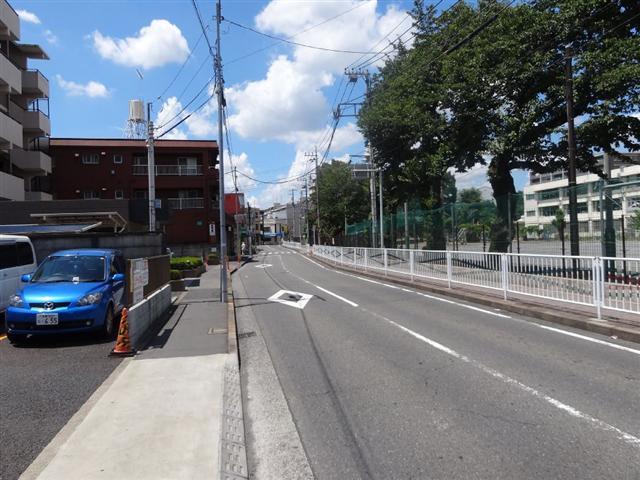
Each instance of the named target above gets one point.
<point>600,282</point>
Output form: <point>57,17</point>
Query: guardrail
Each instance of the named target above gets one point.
<point>600,282</point>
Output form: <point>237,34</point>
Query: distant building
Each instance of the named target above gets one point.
<point>24,115</point>
<point>548,192</point>
<point>186,180</point>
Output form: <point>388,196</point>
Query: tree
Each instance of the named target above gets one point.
<point>560,223</point>
<point>470,195</point>
<point>341,197</point>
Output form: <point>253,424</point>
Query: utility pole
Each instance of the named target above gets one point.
<point>236,203</point>
<point>406,225</point>
<point>250,229</point>
<point>220,94</point>
<point>151,171</point>
<point>353,76</point>
<point>573,194</point>
<point>381,210</point>
<point>306,209</point>
<point>314,155</point>
<point>293,215</point>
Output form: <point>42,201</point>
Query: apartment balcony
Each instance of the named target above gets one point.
<point>170,170</point>
<point>31,161</point>
<point>35,84</point>
<point>36,124</point>
<point>11,188</point>
<point>38,196</point>
<point>10,76</point>
<point>9,22</point>
<point>185,203</point>
<point>10,131</point>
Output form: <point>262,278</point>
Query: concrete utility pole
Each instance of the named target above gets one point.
<point>314,155</point>
<point>220,94</point>
<point>406,225</point>
<point>573,194</point>
<point>151,171</point>
<point>293,214</point>
<point>236,203</point>
<point>306,210</point>
<point>609,230</point>
<point>381,210</point>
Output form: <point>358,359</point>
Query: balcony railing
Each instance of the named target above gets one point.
<point>185,203</point>
<point>170,170</point>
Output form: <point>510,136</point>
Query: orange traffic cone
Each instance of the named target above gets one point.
<point>123,343</point>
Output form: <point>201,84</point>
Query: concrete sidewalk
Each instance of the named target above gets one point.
<point>164,413</point>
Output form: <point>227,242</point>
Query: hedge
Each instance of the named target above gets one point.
<point>185,263</point>
<point>175,275</point>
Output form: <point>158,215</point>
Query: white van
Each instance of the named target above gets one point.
<point>16,258</point>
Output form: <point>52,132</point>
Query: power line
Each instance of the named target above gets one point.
<point>188,104</point>
<point>237,59</point>
<point>284,40</point>
<point>202,27</point>
<point>200,107</point>
<point>182,66</point>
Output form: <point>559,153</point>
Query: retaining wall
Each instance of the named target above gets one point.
<point>143,315</point>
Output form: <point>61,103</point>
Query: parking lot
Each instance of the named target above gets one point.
<point>42,384</point>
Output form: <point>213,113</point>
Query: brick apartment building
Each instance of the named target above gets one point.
<point>186,179</point>
<point>24,115</point>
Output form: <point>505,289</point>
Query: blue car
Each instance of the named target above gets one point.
<point>71,291</point>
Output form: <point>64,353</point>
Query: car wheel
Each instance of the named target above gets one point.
<point>109,326</point>
<point>16,338</point>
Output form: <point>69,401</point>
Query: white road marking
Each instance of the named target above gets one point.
<point>590,339</point>
<point>574,412</point>
<point>353,304</point>
<point>300,300</point>
<point>264,265</point>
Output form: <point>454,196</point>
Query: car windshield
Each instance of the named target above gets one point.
<point>70,268</point>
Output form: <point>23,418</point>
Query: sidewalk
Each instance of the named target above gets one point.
<point>163,413</point>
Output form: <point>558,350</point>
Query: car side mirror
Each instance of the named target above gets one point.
<point>117,277</point>
<point>26,278</point>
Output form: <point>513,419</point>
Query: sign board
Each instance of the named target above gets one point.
<point>360,171</point>
<point>138,295</point>
<point>139,278</point>
<point>212,229</point>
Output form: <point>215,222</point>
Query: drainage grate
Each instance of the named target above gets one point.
<point>233,453</point>
<point>246,334</point>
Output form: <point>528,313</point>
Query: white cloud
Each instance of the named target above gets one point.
<point>199,124</point>
<point>90,89</point>
<point>290,100</point>
<point>475,177</point>
<point>155,45</point>
<point>241,163</point>
<point>50,37</point>
<point>28,17</point>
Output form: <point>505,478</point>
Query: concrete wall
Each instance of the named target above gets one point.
<point>132,245</point>
<point>143,315</point>
<point>193,250</point>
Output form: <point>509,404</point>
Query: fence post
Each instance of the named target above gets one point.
<point>341,255</point>
<point>505,273</point>
<point>449,268</point>
<point>355,263</point>
<point>596,270</point>
<point>366,261</point>
<point>411,260</point>
<point>384,253</point>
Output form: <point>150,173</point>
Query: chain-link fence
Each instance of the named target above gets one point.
<point>534,222</point>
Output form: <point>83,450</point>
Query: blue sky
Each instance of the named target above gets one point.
<point>279,99</point>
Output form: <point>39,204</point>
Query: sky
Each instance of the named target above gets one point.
<point>280,96</point>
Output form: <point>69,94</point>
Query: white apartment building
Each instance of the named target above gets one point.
<point>547,192</point>
<point>24,115</point>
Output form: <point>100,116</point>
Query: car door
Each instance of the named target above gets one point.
<point>8,272</point>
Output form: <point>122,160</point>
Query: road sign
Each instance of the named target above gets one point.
<point>212,229</point>
<point>360,171</point>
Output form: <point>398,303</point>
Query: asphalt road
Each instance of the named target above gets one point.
<point>389,383</point>
<point>42,384</point>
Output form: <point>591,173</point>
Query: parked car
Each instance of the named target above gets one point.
<point>16,258</point>
<point>71,291</point>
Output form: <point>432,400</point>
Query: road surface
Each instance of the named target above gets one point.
<point>386,382</point>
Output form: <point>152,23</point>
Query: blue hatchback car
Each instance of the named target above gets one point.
<point>71,291</point>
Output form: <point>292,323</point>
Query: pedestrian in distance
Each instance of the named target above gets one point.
<point>242,248</point>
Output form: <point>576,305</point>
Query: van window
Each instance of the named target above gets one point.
<point>25,254</point>
<point>8,257</point>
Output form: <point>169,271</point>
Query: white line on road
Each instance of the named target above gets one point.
<point>622,435</point>
<point>590,339</point>
<point>353,304</point>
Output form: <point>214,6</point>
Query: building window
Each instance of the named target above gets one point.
<point>91,195</point>
<point>119,194</point>
<point>530,196</point>
<point>549,194</point>
<point>531,213</point>
<point>90,158</point>
<point>117,158</point>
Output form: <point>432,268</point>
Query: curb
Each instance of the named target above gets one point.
<point>567,318</point>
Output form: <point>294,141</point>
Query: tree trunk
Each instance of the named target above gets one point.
<point>435,234</point>
<point>503,191</point>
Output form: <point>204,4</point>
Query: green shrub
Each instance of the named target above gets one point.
<point>185,263</point>
<point>214,257</point>
<point>175,275</point>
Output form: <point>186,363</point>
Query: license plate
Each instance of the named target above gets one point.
<point>46,319</point>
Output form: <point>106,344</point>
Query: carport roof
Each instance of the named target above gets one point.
<point>27,229</point>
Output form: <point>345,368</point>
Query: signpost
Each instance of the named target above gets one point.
<point>139,278</point>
